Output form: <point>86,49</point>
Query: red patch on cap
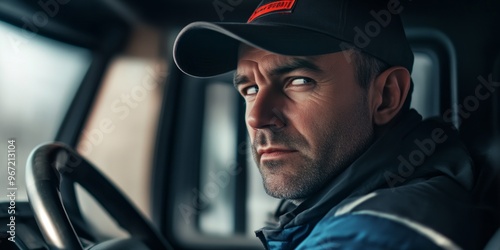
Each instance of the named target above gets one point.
<point>280,5</point>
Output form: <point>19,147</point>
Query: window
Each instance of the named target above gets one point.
<point>38,79</point>
<point>426,92</point>
<point>217,186</point>
<point>120,134</point>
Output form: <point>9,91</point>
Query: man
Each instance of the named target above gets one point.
<point>327,89</point>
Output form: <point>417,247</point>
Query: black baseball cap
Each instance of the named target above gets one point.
<point>297,28</point>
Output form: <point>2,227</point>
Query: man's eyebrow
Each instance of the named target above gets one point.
<point>290,66</point>
<point>239,79</point>
<point>296,64</point>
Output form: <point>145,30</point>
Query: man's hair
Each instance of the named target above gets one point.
<point>368,67</point>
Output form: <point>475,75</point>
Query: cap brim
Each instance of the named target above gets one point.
<point>204,49</point>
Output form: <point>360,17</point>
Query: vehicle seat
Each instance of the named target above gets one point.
<point>486,156</point>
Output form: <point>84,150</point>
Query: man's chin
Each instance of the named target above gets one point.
<point>283,187</point>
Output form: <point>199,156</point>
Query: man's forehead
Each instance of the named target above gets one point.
<point>249,52</point>
<point>244,48</point>
<point>267,59</point>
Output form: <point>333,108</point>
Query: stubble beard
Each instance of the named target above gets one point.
<point>341,146</point>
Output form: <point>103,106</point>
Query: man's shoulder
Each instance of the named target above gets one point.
<point>421,215</point>
<point>365,230</point>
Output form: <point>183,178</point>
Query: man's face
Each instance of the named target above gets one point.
<point>307,118</point>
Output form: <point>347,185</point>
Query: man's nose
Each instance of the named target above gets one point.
<point>266,110</point>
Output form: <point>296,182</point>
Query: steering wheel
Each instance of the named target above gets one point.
<point>45,167</point>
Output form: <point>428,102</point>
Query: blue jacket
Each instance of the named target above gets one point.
<point>410,190</point>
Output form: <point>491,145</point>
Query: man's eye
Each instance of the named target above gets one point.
<point>300,81</point>
<point>252,90</point>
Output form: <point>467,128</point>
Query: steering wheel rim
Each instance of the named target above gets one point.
<point>44,168</point>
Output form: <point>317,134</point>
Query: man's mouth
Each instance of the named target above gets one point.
<point>275,153</point>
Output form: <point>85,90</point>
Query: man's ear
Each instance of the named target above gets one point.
<point>389,91</point>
